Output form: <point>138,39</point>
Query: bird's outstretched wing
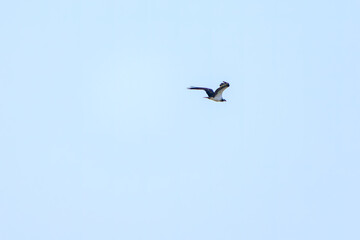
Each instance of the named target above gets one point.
<point>221,89</point>
<point>209,91</point>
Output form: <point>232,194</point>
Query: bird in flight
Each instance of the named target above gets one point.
<point>215,96</point>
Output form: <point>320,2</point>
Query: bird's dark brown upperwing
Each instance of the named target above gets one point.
<point>208,91</point>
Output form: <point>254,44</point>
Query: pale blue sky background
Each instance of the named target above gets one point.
<point>101,140</point>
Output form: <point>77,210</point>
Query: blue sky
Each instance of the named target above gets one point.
<point>100,139</point>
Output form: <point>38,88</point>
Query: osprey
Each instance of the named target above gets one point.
<point>215,96</point>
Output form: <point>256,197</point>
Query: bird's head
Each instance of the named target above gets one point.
<point>223,100</point>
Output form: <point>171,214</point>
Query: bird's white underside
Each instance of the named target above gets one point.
<point>217,98</point>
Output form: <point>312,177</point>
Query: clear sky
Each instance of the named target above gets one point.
<point>100,139</point>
